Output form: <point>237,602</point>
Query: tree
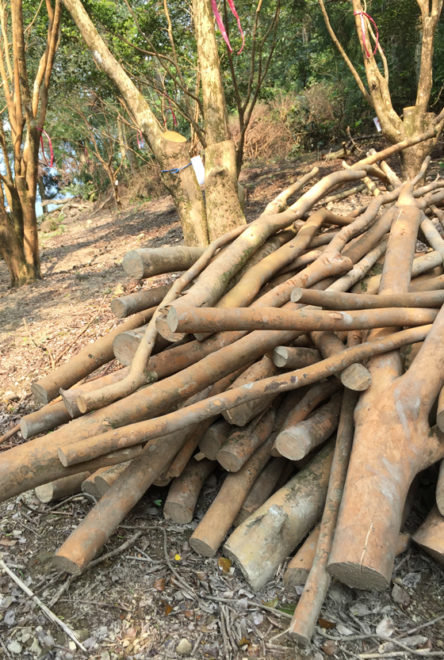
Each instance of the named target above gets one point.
<point>25,78</point>
<point>415,119</point>
<point>198,99</point>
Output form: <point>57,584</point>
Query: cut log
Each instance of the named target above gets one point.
<point>85,362</point>
<point>85,541</point>
<point>46,419</point>
<point>356,377</point>
<point>300,565</point>
<point>89,484</point>
<point>430,536</point>
<point>213,319</point>
<point>242,443</point>
<point>383,465</point>
<point>214,526</point>
<point>214,438</point>
<point>184,492</point>
<point>344,301</point>
<point>146,262</point>
<point>126,343</point>
<point>138,301</point>
<point>135,433</point>
<point>293,357</point>
<point>243,414</point>
<point>70,396</point>
<point>267,537</point>
<point>262,488</point>
<point>107,476</point>
<point>311,399</point>
<point>57,490</point>
<point>297,441</point>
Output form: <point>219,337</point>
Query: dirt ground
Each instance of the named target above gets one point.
<point>149,595</point>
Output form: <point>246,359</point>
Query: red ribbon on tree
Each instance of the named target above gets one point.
<point>363,15</point>
<point>51,152</point>
<point>221,25</point>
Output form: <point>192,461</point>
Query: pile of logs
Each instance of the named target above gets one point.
<point>301,356</point>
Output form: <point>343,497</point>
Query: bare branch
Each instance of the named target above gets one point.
<point>346,58</point>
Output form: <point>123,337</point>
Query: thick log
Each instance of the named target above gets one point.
<point>89,484</point>
<point>213,319</point>
<point>427,284</point>
<point>70,396</point>
<point>85,541</point>
<point>298,440</point>
<point>242,443</point>
<point>184,491</point>
<point>262,488</point>
<point>57,490</point>
<point>136,433</point>
<point>356,377</point>
<point>126,343</point>
<point>243,414</point>
<point>85,362</point>
<point>300,565</point>
<point>146,262</point>
<point>265,539</point>
<point>345,301</point>
<point>193,436</point>
<point>383,464</point>
<point>105,478</point>
<point>309,402</point>
<point>430,536</point>
<point>45,419</point>
<point>293,357</point>
<point>138,301</point>
<point>214,438</point>
<point>214,526</point>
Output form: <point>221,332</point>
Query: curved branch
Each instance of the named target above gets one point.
<point>345,57</point>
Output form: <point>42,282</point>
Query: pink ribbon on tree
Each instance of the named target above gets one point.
<point>221,25</point>
<point>363,15</point>
<point>51,152</point>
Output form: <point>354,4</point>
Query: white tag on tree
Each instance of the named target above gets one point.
<point>377,124</point>
<point>199,169</point>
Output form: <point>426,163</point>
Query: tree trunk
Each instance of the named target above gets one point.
<point>223,207</point>
<point>415,121</point>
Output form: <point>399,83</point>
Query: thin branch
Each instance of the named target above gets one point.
<point>346,58</point>
<point>49,614</point>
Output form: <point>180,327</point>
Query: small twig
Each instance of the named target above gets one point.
<point>76,338</point>
<point>15,429</point>
<point>422,625</point>
<point>2,644</point>
<point>99,603</point>
<point>385,638</point>
<point>179,579</point>
<point>116,551</point>
<point>40,346</point>
<point>51,616</point>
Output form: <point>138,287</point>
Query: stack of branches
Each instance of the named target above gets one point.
<point>278,358</point>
